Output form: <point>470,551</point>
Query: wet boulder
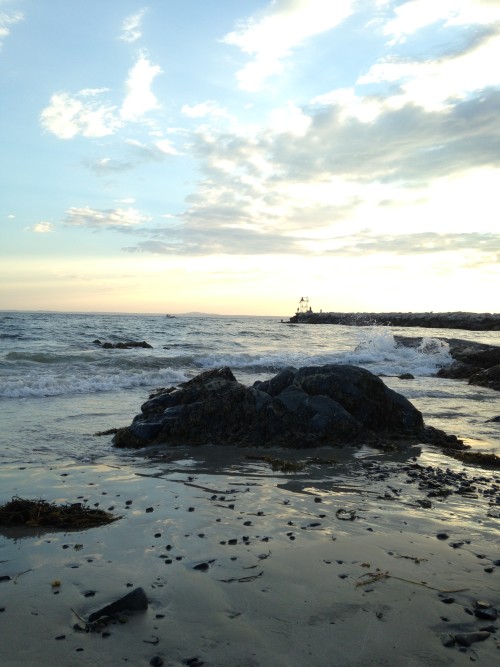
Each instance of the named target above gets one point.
<point>306,407</point>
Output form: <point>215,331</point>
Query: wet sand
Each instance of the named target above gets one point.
<point>342,564</point>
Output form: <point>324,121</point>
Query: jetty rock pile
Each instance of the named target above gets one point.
<point>307,407</point>
<point>455,320</point>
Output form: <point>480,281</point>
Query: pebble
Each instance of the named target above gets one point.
<point>468,638</point>
<point>442,536</point>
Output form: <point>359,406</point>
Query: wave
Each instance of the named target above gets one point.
<point>50,374</point>
<point>53,384</point>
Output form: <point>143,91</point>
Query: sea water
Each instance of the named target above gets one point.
<point>59,385</point>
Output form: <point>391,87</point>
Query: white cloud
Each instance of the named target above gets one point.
<point>202,110</point>
<point>165,146</point>
<point>417,14</point>
<point>67,116</point>
<point>86,216</point>
<point>350,105</point>
<point>271,37</point>
<point>140,99</point>
<point>131,26</point>
<point>84,113</point>
<point>8,19</point>
<point>434,83</point>
<point>42,228</point>
<point>290,119</point>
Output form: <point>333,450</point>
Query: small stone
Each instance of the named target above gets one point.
<point>448,640</point>
<point>156,661</point>
<point>468,638</point>
<point>149,510</point>
<point>202,567</point>
<point>442,536</point>
<point>489,614</point>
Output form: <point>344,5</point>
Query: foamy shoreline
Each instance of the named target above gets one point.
<point>334,565</point>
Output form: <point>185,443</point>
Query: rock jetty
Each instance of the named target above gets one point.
<point>307,407</point>
<point>456,320</point>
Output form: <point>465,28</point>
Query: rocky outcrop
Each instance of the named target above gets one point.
<point>310,406</point>
<point>478,363</point>
<point>456,320</point>
<point>123,346</point>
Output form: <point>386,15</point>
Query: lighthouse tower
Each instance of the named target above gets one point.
<point>303,305</point>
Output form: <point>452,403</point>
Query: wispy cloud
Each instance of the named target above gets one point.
<point>271,36</point>
<point>7,20</point>
<point>119,218</point>
<point>131,26</point>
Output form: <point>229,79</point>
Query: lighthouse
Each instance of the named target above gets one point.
<point>304,306</point>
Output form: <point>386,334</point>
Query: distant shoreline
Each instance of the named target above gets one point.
<point>455,320</point>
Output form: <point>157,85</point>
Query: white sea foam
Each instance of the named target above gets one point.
<point>52,384</point>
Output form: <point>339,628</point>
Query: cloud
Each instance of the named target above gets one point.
<point>41,228</point>
<point>152,153</point>
<point>435,83</point>
<point>204,109</point>
<point>84,113</point>
<point>423,243</point>
<point>415,15</point>
<point>406,144</point>
<point>131,26</point>
<point>217,241</point>
<point>271,36</point>
<point>119,219</point>
<point>140,99</point>
<point>69,115</point>
<point>8,19</point>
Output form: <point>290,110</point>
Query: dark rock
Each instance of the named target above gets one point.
<point>488,614</point>
<point>489,377</point>
<point>123,346</point>
<point>136,600</point>
<point>468,638</point>
<point>311,406</point>
<point>456,320</point>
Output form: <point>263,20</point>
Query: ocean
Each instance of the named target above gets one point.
<point>58,386</point>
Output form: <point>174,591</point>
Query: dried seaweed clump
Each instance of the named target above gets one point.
<point>37,513</point>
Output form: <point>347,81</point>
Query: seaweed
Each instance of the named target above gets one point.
<point>483,459</point>
<point>41,513</point>
<point>283,465</point>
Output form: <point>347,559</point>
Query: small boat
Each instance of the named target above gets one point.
<point>170,316</point>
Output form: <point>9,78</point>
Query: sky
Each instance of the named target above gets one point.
<point>234,156</point>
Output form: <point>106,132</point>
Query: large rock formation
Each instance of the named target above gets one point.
<point>311,406</point>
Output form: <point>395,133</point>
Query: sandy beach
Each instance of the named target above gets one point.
<point>343,563</point>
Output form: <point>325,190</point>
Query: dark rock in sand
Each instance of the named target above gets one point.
<point>136,600</point>
<point>310,406</point>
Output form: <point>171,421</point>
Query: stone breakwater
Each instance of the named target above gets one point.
<point>456,320</point>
